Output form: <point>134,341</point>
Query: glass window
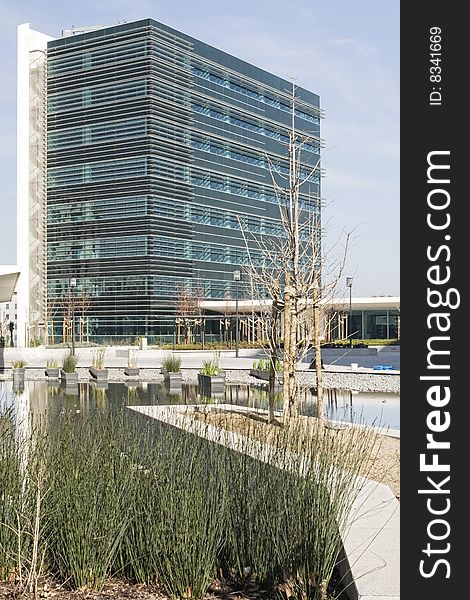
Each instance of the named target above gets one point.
<point>244,89</point>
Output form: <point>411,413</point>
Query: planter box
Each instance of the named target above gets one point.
<point>99,374</point>
<point>52,372</point>
<point>211,384</point>
<point>18,373</point>
<point>132,371</point>
<point>173,380</point>
<point>18,380</point>
<point>264,374</point>
<point>69,378</point>
<point>71,389</point>
<point>99,384</point>
<point>18,386</point>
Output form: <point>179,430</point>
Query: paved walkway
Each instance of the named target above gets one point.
<point>116,356</point>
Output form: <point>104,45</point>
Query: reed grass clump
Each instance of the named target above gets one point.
<point>288,492</point>
<point>88,500</point>
<point>117,494</point>
<point>98,358</point>
<point>10,496</point>
<point>177,524</point>
<point>171,363</point>
<point>21,492</point>
<point>69,363</point>
<point>132,358</point>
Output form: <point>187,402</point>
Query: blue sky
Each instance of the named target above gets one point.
<point>347,52</point>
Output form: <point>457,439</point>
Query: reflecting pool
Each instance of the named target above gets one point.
<point>47,399</point>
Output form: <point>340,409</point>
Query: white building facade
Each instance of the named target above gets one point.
<point>31,184</point>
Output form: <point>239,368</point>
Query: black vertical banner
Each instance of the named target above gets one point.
<point>435,328</point>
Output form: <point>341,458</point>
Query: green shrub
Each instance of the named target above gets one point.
<point>35,342</point>
<point>52,364</point>
<point>211,367</point>
<point>214,345</point>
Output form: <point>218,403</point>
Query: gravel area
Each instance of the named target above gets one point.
<point>362,382</point>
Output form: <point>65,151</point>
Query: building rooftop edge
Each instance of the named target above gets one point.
<point>57,41</point>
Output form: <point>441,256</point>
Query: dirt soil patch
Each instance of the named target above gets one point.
<point>120,590</point>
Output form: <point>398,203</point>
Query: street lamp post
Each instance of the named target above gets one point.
<point>73,285</point>
<point>349,281</point>
<point>236,278</point>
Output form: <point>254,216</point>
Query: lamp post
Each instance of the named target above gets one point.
<point>236,277</point>
<point>349,281</point>
<point>73,285</point>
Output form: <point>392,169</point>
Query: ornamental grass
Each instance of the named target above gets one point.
<point>90,496</point>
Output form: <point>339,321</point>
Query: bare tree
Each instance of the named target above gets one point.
<point>82,304</point>
<point>292,280</point>
<point>188,307</point>
<point>53,307</point>
<point>69,306</point>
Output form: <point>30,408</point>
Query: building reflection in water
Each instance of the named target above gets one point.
<point>43,401</point>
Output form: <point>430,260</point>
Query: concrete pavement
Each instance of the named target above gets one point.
<point>117,356</point>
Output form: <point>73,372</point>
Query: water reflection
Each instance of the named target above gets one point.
<point>49,399</point>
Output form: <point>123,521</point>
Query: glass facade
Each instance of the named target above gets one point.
<point>365,324</point>
<point>161,153</point>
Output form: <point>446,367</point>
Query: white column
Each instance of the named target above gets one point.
<point>28,41</point>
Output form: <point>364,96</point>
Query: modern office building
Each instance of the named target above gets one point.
<point>146,165</point>
<point>375,317</point>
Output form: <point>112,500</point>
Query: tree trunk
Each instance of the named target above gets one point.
<point>289,391</point>
<point>293,395</point>
<point>272,384</point>
<point>318,360</point>
<point>286,353</point>
<point>274,335</point>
